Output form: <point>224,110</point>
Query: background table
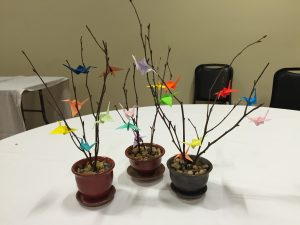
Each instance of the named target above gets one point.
<point>11,90</point>
<point>255,179</point>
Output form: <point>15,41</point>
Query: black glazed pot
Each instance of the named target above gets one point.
<point>189,185</point>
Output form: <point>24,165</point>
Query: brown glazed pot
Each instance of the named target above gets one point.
<point>94,186</point>
<point>145,167</point>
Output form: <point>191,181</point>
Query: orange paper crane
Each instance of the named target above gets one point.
<point>72,104</point>
<point>225,91</point>
<point>186,155</point>
<point>112,70</point>
<point>172,84</point>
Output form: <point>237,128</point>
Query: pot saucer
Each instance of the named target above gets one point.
<point>188,195</point>
<point>96,202</point>
<point>158,173</point>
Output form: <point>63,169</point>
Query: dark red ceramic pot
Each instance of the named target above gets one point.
<point>94,186</point>
<point>145,167</point>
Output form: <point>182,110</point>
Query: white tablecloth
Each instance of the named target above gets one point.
<point>11,90</point>
<point>255,179</point>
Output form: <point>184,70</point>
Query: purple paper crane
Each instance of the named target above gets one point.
<point>142,66</point>
<point>137,140</point>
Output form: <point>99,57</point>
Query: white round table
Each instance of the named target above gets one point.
<point>255,179</point>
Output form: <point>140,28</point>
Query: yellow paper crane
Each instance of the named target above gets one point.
<point>62,129</point>
<point>194,143</point>
<point>159,86</point>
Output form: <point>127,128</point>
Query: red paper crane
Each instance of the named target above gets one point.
<point>225,91</point>
<point>72,104</point>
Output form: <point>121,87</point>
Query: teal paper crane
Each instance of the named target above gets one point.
<point>129,126</point>
<point>85,146</point>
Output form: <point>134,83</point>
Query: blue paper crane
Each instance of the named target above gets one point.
<point>251,101</point>
<point>80,69</point>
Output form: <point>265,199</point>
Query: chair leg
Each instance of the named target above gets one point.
<point>43,107</point>
<point>23,115</point>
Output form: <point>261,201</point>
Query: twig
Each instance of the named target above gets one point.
<point>60,114</point>
<point>76,103</point>
<point>86,79</point>
<point>125,89</point>
<point>245,114</point>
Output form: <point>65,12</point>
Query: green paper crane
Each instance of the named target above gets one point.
<point>166,99</point>
<point>105,116</point>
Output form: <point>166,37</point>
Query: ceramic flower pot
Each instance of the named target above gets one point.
<point>189,185</point>
<point>94,189</point>
<point>146,167</point>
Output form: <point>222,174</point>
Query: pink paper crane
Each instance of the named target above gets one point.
<point>259,120</point>
<point>130,113</point>
<point>73,107</point>
<point>225,91</point>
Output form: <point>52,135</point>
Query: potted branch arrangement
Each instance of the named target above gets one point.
<point>94,173</point>
<point>189,172</point>
<point>145,158</point>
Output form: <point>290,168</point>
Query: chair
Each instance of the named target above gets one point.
<point>286,89</point>
<point>205,75</point>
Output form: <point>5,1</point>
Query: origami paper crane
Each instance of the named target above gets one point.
<point>169,84</point>
<point>142,66</point>
<point>80,69</point>
<point>259,120</point>
<point>105,116</point>
<point>166,99</point>
<point>62,129</point>
<point>85,146</point>
<point>159,86</point>
<point>251,101</point>
<point>186,155</point>
<point>172,84</point>
<point>225,91</point>
<point>112,70</point>
<point>194,143</point>
<point>136,141</point>
<point>72,104</point>
<point>130,113</point>
<point>128,126</point>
